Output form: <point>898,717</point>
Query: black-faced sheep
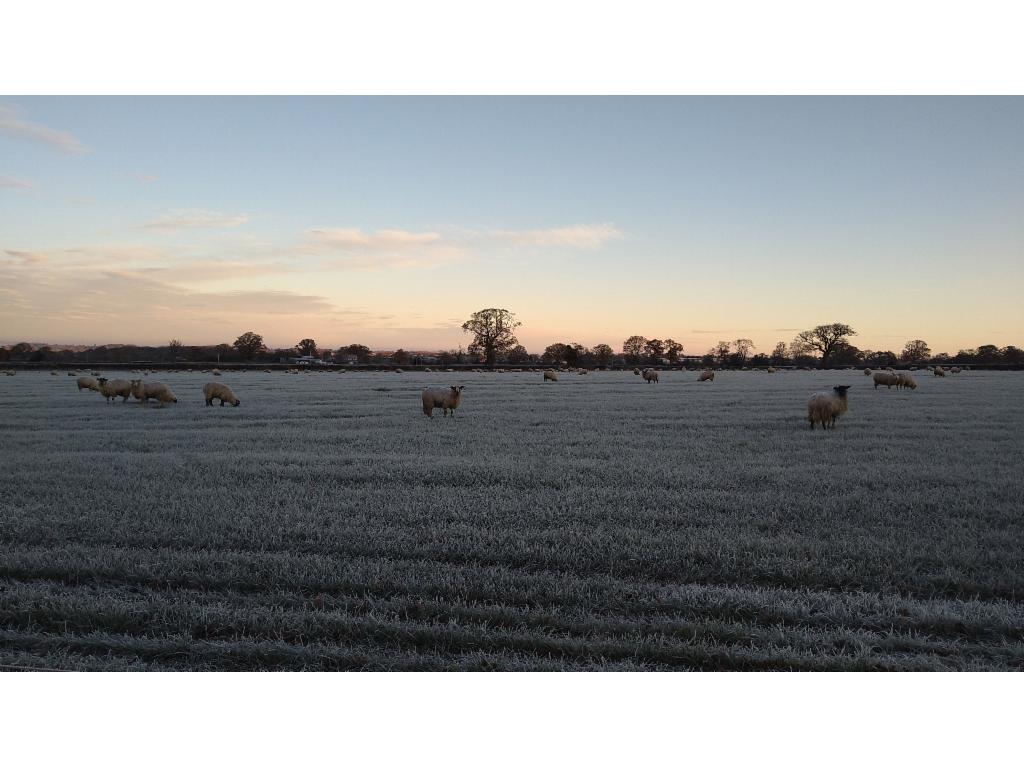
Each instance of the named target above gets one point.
<point>825,407</point>
<point>905,380</point>
<point>439,397</point>
<point>216,390</point>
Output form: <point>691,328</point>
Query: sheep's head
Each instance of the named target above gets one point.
<point>457,390</point>
<point>841,391</point>
<point>236,403</point>
<point>101,380</point>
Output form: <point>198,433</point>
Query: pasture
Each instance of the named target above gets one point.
<point>597,522</point>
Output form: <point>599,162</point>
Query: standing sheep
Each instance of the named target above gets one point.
<point>888,378</point>
<point>636,371</point>
<point>111,390</point>
<point>706,376</point>
<point>550,376</point>
<point>88,382</point>
<point>221,392</point>
<point>650,376</point>
<point>825,407</point>
<point>154,390</point>
<point>905,380</point>
<point>867,371</point>
<point>939,371</point>
<point>439,397</point>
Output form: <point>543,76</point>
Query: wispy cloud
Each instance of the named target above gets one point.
<point>14,124</point>
<point>26,257</point>
<point>196,219</point>
<point>747,330</point>
<point>146,178</point>
<point>9,182</point>
<point>380,240</point>
<point>585,236</point>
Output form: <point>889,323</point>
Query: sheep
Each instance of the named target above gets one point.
<point>706,376</point>
<point>888,378</point>
<point>550,376</point>
<point>117,387</point>
<point>650,376</point>
<point>215,372</point>
<point>88,382</point>
<point>636,371</point>
<point>954,369</point>
<point>53,373</point>
<point>938,371</point>
<point>144,391</point>
<point>439,397</point>
<point>904,379</point>
<point>825,407</point>
<point>867,371</point>
<point>220,391</point>
<point>769,369</point>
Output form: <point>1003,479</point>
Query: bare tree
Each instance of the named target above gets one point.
<point>743,347</point>
<point>720,351</point>
<point>672,350</point>
<point>493,333</point>
<point>916,351</point>
<point>823,339</point>
<point>633,347</point>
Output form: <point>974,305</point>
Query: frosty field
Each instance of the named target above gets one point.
<point>594,523</point>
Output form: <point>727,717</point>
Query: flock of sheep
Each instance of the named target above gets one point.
<point>144,391</point>
<point>823,408</point>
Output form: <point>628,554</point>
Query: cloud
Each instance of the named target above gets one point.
<point>748,330</point>
<point>585,236</point>
<point>196,219</point>
<point>13,124</point>
<point>383,239</point>
<point>146,178</point>
<point>9,182</point>
<point>26,257</point>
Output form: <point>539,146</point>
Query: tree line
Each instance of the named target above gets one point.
<point>493,341</point>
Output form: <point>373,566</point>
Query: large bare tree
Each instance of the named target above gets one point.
<point>493,333</point>
<point>823,339</point>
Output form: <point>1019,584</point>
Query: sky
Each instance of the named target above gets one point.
<point>388,221</point>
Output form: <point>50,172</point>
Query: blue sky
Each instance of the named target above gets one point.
<point>387,221</point>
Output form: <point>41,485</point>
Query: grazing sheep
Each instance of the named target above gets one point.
<point>550,376</point>
<point>221,392</point>
<point>706,376</point>
<point>867,371</point>
<point>115,388</point>
<point>650,376</point>
<point>938,371</point>
<point>888,378</point>
<point>769,369</point>
<point>955,369</point>
<point>905,380</point>
<point>154,390</point>
<point>439,397</point>
<point>636,371</point>
<point>87,382</point>
<point>825,407</point>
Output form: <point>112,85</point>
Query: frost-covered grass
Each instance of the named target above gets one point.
<point>596,522</point>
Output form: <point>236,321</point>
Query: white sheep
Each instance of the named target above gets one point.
<point>215,371</point>
<point>88,382</point>
<point>867,371</point>
<point>650,376</point>
<point>769,369</point>
<point>825,407</point>
<point>939,371</point>
<point>905,380</point>
<point>888,378</point>
<point>550,376</point>
<point>706,376</point>
<point>955,369</point>
<point>439,397</point>
<point>154,390</point>
<point>221,392</point>
<point>115,388</point>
